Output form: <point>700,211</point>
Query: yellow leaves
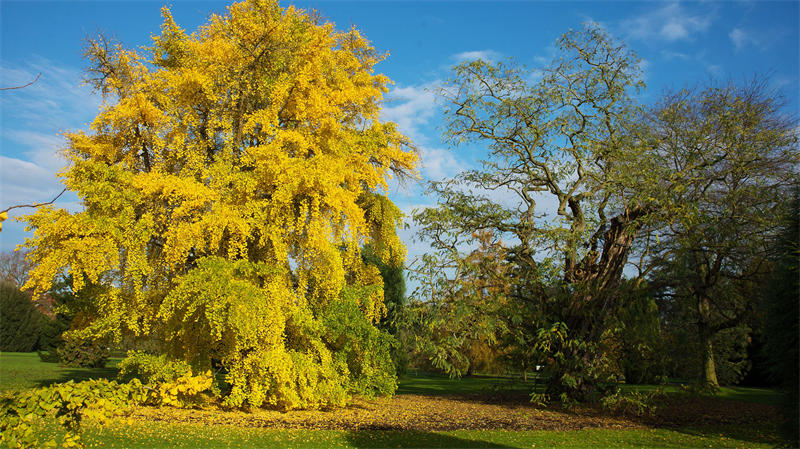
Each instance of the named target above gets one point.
<point>184,389</point>
<point>224,186</point>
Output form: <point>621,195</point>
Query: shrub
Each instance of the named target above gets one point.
<point>151,369</point>
<point>83,353</point>
<point>183,391</point>
<point>633,403</point>
<point>69,403</point>
<point>50,356</point>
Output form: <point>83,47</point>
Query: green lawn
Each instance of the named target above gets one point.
<point>165,435</point>
<point>429,384</point>
<point>746,394</point>
<point>26,370</point>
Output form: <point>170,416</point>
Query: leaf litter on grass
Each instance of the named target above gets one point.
<point>478,412</point>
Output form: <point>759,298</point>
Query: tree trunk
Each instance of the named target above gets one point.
<point>709,368</point>
<point>709,373</point>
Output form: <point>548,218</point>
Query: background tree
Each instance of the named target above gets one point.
<point>456,321</point>
<point>565,139</point>
<point>782,329</point>
<point>394,296</point>
<point>612,173</point>
<point>637,336</point>
<point>20,322</point>
<point>14,268</point>
<point>228,185</point>
<point>734,151</point>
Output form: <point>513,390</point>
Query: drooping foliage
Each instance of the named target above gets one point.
<point>461,310</point>
<point>228,184</point>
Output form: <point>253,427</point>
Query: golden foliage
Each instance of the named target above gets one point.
<point>228,183</point>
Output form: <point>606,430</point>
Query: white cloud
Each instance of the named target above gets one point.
<point>411,108</point>
<point>669,23</point>
<point>439,163</point>
<point>715,69</point>
<point>742,38</point>
<point>486,55</point>
<point>33,120</point>
<point>670,55</point>
<point>58,100</point>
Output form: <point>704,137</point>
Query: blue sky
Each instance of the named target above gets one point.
<point>681,44</point>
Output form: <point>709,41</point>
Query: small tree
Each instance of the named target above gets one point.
<point>456,320</point>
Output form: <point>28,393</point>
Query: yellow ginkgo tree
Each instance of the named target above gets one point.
<point>228,184</point>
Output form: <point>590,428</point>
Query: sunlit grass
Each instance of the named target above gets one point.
<point>20,370</point>
<point>158,435</point>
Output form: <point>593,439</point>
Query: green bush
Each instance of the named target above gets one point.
<point>68,404</point>
<point>633,403</point>
<point>50,356</point>
<point>83,353</point>
<point>151,369</point>
<point>362,347</point>
<point>19,321</point>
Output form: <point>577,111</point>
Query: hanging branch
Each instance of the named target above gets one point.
<point>21,87</point>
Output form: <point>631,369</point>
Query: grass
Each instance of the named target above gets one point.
<point>746,394</point>
<point>25,370</point>
<point>434,385</point>
<point>19,371</point>
<point>122,434</point>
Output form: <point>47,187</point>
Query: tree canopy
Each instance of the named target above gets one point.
<point>732,152</point>
<point>228,184</point>
<point>578,174</point>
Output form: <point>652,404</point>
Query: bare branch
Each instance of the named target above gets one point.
<point>35,204</point>
<point>23,86</point>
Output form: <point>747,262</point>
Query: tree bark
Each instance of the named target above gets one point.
<point>709,367</point>
<point>709,373</point>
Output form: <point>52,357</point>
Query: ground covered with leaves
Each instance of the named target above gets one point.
<point>427,411</point>
<point>509,411</point>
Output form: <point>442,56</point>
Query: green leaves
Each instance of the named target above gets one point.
<point>69,403</point>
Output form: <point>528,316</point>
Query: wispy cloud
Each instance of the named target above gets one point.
<point>439,163</point>
<point>742,38</point>
<point>669,23</point>
<point>486,55</point>
<point>411,107</point>
<point>33,120</point>
<point>672,55</point>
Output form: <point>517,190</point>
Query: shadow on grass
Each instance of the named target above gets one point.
<point>78,375</point>
<point>757,434</point>
<point>413,438</point>
<point>436,385</point>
